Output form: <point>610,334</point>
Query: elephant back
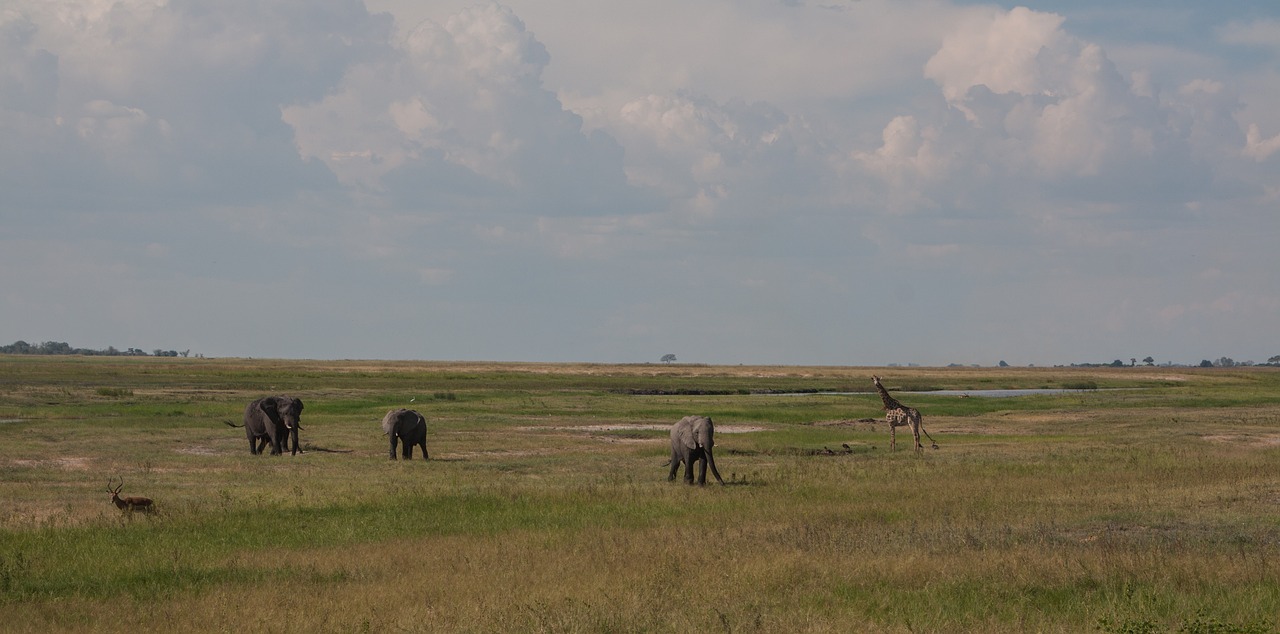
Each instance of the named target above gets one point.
<point>685,432</point>
<point>389,422</point>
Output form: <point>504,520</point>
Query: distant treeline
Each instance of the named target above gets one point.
<point>59,347</point>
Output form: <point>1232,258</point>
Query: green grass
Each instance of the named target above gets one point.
<point>545,506</point>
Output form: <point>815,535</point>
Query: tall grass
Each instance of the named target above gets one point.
<point>545,506</point>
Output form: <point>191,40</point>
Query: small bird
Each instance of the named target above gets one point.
<point>413,399</point>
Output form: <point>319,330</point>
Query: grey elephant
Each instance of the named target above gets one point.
<point>408,426</point>
<point>273,419</point>
<point>692,440</point>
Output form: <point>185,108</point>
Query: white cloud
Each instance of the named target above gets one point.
<point>1014,52</point>
<point>461,111</point>
<point>1258,148</point>
<point>1044,108</point>
<point>155,104</point>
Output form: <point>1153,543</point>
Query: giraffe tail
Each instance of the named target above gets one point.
<point>926,433</point>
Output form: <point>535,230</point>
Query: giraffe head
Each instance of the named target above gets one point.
<point>876,380</point>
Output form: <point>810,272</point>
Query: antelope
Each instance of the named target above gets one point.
<point>128,503</point>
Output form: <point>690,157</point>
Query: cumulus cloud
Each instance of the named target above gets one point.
<point>687,146</point>
<point>1042,106</point>
<point>28,74</point>
<point>138,104</point>
<point>460,111</point>
<point>1020,51</point>
<point>1258,148</point>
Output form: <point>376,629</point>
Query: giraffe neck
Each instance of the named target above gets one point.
<point>889,401</point>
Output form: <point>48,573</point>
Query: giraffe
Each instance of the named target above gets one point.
<point>899,415</point>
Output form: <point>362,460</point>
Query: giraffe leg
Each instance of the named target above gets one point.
<point>893,437</point>
<point>917,426</point>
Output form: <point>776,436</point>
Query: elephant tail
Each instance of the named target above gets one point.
<point>231,424</point>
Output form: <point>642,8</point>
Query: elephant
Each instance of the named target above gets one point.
<point>691,441</point>
<point>274,419</point>
<point>409,426</point>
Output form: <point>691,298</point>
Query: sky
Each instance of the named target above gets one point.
<point>799,182</point>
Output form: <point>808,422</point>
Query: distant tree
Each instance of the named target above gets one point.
<point>1132,362</point>
<point>1275,359</point>
<point>1003,364</point>
<point>1206,363</point>
<point>1117,364</point>
<point>17,347</point>
<point>54,347</point>
<point>668,358</point>
<point>1149,361</point>
<point>1226,362</point>
<point>63,348</point>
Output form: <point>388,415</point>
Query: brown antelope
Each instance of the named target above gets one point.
<point>128,503</point>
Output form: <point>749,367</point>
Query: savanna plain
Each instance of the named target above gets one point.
<point>1146,502</point>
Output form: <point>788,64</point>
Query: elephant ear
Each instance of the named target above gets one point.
<point>270,408</point>
<point>389,421</point>
<point>684,432</point>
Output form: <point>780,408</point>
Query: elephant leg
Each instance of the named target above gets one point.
<point>423,444</point>
<point>262,444</point>
<point>675,466</point>
<point>702,471</point>
<point>407,450</point>
<point>394,442</point>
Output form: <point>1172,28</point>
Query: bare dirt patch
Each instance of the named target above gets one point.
<point>198,450</point>
<point>849,422</point>
<point>66,463</point>
<point>1244,439</point>
<point>720,429</point>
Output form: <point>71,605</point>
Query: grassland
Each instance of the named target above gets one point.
<point>1149,504</point>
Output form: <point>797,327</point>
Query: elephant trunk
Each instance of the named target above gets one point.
<point>711,462</point>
